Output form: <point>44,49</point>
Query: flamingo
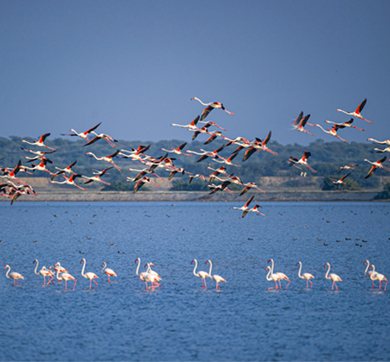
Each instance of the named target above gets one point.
<point>227,161</point>
<point>301,122</point>
<point>67,169</point>
<point>83,135</point>
<point>215,277</point>
<point>141,182</point>
<point>302,161</point>
<point>245,208</point>
<point>107,158</point>
<point>368,272</point>
<point>378,150</point>
<point>306,276</point>
<point>97,176</point>
<point>201,274</point>
<point>40,142</point>
<point>345,124</point>
<point>66,276</point>
<point>59,268</point>
<point>279,274</point>
<point>68,181</point>
<point>108,271</point>
<point>90,276</point>
<point>44,272</point>
<point>249,186</point>
<point>220,170</point>
<point>157,277</point>
<point>40,167</point>
<point>214,135</point>
<point>177,150</point>
<point>145,277</point>
<point>333,131</point>
<point>347,167</point>
<point>356,113</point>
<point>104,136</point>
<point>202,177</point>
<point>341,180</point>
<point>223,187</point>
<point>332,276</point>
<point>377,276</point>
<point>205,154</point>
<point>375,165</point>
<point>15,276</point>
<point>210,107</point>
<point>190,127</point>
<point>385,142</point>
<point>175,170</point>
<point>258,145</point>
<point>256,209</point>
<point>11,175</point>
<point>198,131</point>
<point>270,276</point>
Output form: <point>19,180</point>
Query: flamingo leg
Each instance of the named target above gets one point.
<point>66,285</point>
<point>109,279</point>
<point>75,281</point>
<point>289,281</point>
<point>95,283</point>
<point>311,283</point>
<point>373,286</point>
<point>90,283</point>
<point>380,285</point>
<point>385,285</point>
<point>205,285</point>
<point>307,283</point>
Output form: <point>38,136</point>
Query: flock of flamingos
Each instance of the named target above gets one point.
<point>154,278</point>
<point>14,187</point>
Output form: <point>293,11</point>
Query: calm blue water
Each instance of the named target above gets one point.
<point>243,321</point>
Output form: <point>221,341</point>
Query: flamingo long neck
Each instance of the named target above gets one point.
<point>318,125</point>
<point>373,272</point>
<point>211,267</point>
<point>299,271</point>
<point>139,263</point>
<point>36,267</point>
<point>368,265</point>
<point>205,104</point>
<point>269,272</point>
<point>9,269</point>
<point>326,275</point>
<point>272,266</point>
<point>82,271</point>
<point>196,265</point>
<point>58,275</point>
<point>104,266</point>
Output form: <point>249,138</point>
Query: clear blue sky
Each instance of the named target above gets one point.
<point>134,65</point>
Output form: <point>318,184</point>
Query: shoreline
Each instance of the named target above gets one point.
<point>195,196</point>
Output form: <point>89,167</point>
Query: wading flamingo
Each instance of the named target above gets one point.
<point>90,276</point>
<point>155,283</point>
<point>215,277</point>
<point>279,274</point>
<point>202,275</point>
<point>306,276</point>
<point>377,276</point>
<point>273,277</point>
<point>66,277</point>
<point>44,272</point>
<point>108,271</point>
<point>334,277</point>
<point>15,276</point>
<point>368,273</point>
<point>356,113</point>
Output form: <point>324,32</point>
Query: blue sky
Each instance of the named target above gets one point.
<point>134,66</point>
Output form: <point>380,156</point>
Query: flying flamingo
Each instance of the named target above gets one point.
<point>386,142</point>
<point>302,161</point>
<point>279,274</point>
<point>345,124</point>
<point>306,276</point>
<point>177,150</point>
<point>202,177</point>
<point>341,180</point>
<point>378,150</point>
<point>210,107</point>
<point>270,276</point>
<point>108,271</point>
<point>301,122</point>
<point>333,131</point>
<point>202,275</point>
<point>97,176</point>
<point>11,175</point>
<point>215,277</point>
<point>107,158</point>
<point>227,161</point>
<point>66,276</point>
<point>104,136</point>
<point>83,135</point>
<point>249,186</point>
<point>375,165</point>
<point>44,272</point>
<point>332,276</point>
<point>15,276</point>
<point>213,136</point>
<point>40,142</point>
<point>90,276</point>
<point>198,131</point>
<point>205,154</point>
<point>175,170</point>
<point>220,170</point>
<point>68,181</point>
<point>40,167</point>
<point>245,208</point>
<point>377,276</point>
<point>347,167</point>
<point>190,127</point>
<point>356,113</point>
<point>141,182</point>
<point>368,273</point>
<point>256,209</point>
<point>67,169</point>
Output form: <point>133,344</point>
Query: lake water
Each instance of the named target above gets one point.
<point>243,321</point>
